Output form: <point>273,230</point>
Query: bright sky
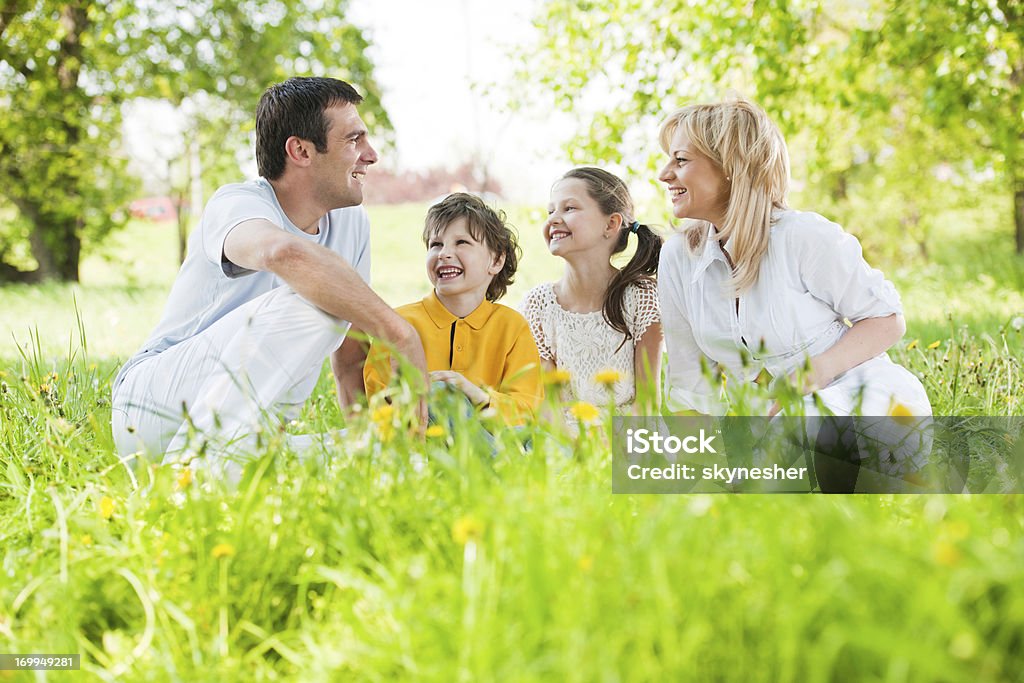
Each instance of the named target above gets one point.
<point>428,55</point>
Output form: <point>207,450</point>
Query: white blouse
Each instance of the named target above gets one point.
<point>584,344</point>
<point>812,279</point>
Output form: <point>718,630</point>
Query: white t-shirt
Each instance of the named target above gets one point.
<point>812,278</point>
<point>584,344</point>
<point>208,286</point>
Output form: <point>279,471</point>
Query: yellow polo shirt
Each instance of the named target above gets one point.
<point>492,347</point>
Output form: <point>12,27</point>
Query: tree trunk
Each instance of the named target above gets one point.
<point>1018,212</point>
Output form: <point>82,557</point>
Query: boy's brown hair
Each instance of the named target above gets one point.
<point>485,225</point>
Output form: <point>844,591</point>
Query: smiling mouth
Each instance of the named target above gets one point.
<point>557,235</point>
<point>448,273</point>
<point>677,192</point>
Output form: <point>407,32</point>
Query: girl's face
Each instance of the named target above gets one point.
<point>697,186</point>
<point>458,264</point>
<point>575,221</point>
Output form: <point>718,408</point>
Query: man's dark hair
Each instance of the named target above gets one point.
<point>296,107</point>
<point>485,225</point>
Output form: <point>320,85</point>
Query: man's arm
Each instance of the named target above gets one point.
<point>347,365</point>
<point>326,280</point>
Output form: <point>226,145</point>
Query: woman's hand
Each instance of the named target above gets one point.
<point>477,396</point>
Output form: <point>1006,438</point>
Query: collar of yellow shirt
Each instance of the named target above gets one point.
<point>443,318</point>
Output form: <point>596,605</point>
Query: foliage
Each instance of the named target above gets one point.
<point>890,114</point>
<point>66,69</point>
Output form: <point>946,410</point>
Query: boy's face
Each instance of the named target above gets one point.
<point>460,266</point>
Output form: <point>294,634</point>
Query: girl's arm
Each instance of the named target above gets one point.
<point>647,370</point>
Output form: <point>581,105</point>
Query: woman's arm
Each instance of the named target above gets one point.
<point>865,340</point>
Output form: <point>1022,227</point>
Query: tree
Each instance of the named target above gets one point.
<point>851,85</point>
<point>67,66</point>
<point>969,56</point>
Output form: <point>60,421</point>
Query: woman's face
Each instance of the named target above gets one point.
<point>697,186</point>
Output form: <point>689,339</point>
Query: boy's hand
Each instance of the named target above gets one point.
<point>477,396</point>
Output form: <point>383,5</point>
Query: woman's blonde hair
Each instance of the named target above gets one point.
<point>742,141</point>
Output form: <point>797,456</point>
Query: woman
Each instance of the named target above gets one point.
<point>755,287</point>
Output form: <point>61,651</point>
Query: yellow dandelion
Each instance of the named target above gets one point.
<point>557,377</point>
<point>902,414</point>
<point>86,540</point>
<point>106,507</point>
<point>383,414</point>
<point>912,345</point>
<point>608,377</point>
<point>53,377</point>
<point>222,550</point>
<point>945,553</point>
<point>935,344</point>
<point>584,412</point>
<point>435,432</point>
<point>382,417</point>
<point>184,478</point>
<point>466,529</point>
<point>958,530</point>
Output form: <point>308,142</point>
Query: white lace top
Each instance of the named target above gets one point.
<point>584,344</point>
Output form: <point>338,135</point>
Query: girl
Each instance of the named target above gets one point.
<point>599,323</point>
<point>756,287</point>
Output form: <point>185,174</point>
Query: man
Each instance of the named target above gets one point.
<point>275,275</point>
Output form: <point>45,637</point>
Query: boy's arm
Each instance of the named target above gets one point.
<point>522,387</point>
<point>377,370</point>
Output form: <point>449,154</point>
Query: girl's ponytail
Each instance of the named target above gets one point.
<point>640,270</point>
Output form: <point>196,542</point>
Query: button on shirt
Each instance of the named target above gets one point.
<point>491,347</point>
<point>812,278</point>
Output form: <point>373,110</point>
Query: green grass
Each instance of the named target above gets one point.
<point>437,560</point>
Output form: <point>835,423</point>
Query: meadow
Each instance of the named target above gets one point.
<point>390,557</point>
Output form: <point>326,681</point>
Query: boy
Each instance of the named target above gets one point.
<point>480,348</point>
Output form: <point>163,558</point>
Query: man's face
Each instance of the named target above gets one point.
<point>339,172</point>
